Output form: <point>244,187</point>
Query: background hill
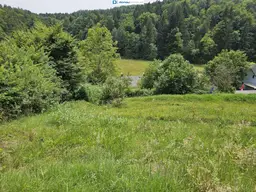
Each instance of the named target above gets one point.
<point>198,29</point>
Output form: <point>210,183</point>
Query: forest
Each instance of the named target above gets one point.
<point>197,29</point>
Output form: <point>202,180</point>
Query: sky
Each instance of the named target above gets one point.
<point>60,6</point>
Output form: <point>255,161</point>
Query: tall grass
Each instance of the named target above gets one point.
<point>163,143</point>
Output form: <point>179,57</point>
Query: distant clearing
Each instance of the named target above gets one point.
<point>132,67</point>
<point>138,67</point>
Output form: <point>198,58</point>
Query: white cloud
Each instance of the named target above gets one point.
<point>63,6</point>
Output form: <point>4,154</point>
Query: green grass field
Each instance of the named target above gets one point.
<point>132,67</point>
<point>161,143</point>
<point>138,67</point>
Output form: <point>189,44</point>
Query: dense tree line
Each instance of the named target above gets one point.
<point>197,29</point>
<point>12,19</point>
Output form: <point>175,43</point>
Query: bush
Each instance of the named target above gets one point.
<point>150,75</point>
<point>90,93</point>
<point>177,76</point>
<point>223,79</point>
<point>203,84</point>
<point>228,69</point>
<point>97,54</point>
<point>114,90</point>
<point>174,75</point>
<point>27,83</point>
<point>61,50</point>
<point>139,92</point>
<point>111,92</point>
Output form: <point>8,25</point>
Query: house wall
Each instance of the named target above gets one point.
<point>249,78</point>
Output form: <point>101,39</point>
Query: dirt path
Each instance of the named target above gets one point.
<point>135,80</point>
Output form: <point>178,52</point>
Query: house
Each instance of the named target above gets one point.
<point>250,79</point>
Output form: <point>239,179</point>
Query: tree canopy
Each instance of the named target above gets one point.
<point>98,53</point>
<point>174,75</point>
<point>197,29</point>
<point>228,69</point>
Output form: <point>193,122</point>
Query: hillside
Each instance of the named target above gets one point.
<point>198,29</point>
<point>160,143</point>
<point>12,19</point>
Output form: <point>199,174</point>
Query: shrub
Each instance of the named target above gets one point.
<point>223,79</point>
<point>27,83</point>
<point>150,75</point>
<point>114,90</point>
<point>64,59</point>
<point>228,69</point>
<point>139,92</point>
<point>90,93</point>
<point>62,52</point>
<point>97,54</point>
<point>203,84</point>
<point>176,76</point>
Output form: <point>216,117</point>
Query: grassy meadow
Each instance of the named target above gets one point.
<point>132,67</point>
<point>137,67</point>
<point>160,143</point>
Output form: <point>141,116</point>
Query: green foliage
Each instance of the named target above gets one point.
<point>151,74</point>
<point>178,42</point>
<point>198,30</point>
<point>98,53</point>
<point>64,58</point>
<point>228,69</point>
<point>139,92</point>
<point>114,90</point>
<point>174,75</point>
<point>127,22</point>
<point>177,76</point>
<point>38,66</point>
<point>90,93</point>
<point>148,35</point>
<point>12,19</point>
<point>119,35</point>
<point>144,18</point>
<point>132,45</point>
<point>208,47</point>
<point>108,22</point>
<point>61,50</point>
<point>203,84</point>
<point>222,79</point>
<point>27,83</point>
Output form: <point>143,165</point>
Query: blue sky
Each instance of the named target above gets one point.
<point>63,6</point>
